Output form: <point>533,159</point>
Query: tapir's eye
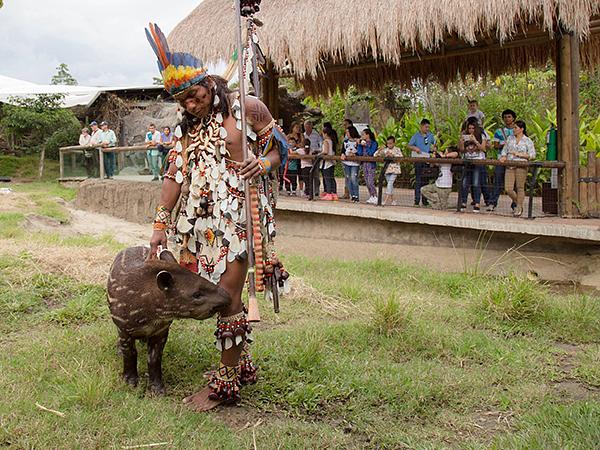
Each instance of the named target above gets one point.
<point>197,294</point>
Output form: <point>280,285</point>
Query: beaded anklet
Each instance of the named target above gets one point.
<point>225,385</point>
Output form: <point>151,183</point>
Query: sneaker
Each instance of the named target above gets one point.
<point>334,197</point>
<point>463,207</point>
<point>491,208</point>
<point>323,195</point>
<point>355,199</point>
<point>476,209</point>
<point>416,205</point>
<point>518,212</point>
<point>372,200</point>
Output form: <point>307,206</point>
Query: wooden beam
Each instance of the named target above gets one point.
<point>568,120</point>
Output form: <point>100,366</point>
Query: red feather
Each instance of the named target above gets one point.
<point>162,52</point>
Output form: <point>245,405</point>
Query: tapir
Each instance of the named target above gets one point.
<point>145,296</point>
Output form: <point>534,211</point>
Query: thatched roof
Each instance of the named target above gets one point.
<point>332,42</point>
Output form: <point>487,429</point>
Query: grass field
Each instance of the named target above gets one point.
<point>363,355</point>
<point>27,167</point>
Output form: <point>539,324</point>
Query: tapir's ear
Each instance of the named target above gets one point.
<point>164,280</point>
<point>166,255</point>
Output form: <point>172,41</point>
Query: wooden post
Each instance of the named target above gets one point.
<point>101,162</point>
<point>592,200</point>
<point>270,89</point>
<point>61,164</point>
<point>567,69</point>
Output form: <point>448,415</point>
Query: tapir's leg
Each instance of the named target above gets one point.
<point>156,345</point>
<point>127,347</point>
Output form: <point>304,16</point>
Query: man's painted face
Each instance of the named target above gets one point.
<point>197,101</point>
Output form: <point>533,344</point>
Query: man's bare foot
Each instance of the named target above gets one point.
<point>200,401</point>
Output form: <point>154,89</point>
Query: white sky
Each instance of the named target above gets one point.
<point>103,42</point>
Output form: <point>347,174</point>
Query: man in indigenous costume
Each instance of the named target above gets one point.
<point>205,178</point>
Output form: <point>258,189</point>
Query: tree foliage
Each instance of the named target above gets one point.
<point>32,123</point>
<point>63,76</point>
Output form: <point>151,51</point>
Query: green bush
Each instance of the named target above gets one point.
<point>389,316</point>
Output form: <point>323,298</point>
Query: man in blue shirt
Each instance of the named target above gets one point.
<point>421,145</point>
<point>500,136</point>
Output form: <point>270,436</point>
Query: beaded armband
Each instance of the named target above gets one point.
<point>232,330</point>
<point>264,135</point>
<point>265,165</point>
<point>162,220</point>
<point>225,384</point>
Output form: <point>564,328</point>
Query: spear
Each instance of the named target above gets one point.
<point>253,313</point>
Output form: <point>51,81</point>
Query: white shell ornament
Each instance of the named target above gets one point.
<point>183,225</point>
<point>179,161</point>
<point>178,134</point>
<point>219,118</point>
<point>217,100</point>
<point>178,147</point>
<point>179,177</point>
<point>223,133</point>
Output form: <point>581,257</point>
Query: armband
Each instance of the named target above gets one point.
<point>162,220</point>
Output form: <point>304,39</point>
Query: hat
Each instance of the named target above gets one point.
<point>180,71</point>
<point>94,123</point>
<point>103,123</point>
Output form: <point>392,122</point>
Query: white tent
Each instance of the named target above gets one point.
<point>74,95</point>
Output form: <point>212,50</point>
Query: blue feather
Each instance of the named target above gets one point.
<point>154,47</point>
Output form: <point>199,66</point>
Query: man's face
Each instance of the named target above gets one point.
<point>308,127</point>
<point>197,101</point>
<point>424,128</point>
<point>152,129</point>
<point>508,120</point>
<point>94,127</point>
<point>104,127</point>
<point>473,106</point>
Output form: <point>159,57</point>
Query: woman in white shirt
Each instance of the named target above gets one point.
<point>473,144</point>
<point>517,148</point>
<point>328,167</point>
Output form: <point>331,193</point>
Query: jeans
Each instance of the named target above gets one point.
<point>154,161</point>
<point>486,191</point>
<point>498,185</point>
<point>369,172</point>
<point>471,182</point>
<point>109,164</point>
<point>390,177</point>
<point>316,184</point>
<point>329,180</point>
<point>351,173</point>
<point>420,181</point>
<point>291,185</point>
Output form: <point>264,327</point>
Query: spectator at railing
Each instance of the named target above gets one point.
<point>517,148</point>
<point>351,168</point>
<point>152,141</point>
<point>473,144</point>
<point>439,191</point>
<point>368,147</point>
<point>296,132</point>
<point>475,112</point>
<point>393,170</point>
<point>316,141</point>
<point>327,127</point>
<point>500,137</point>
<point>305,166</point>
<point>95,135</point>
<point>107,139</point>
<point>420,145</point>
<point>346,124</point>
<point>328,166</point>
<point>166,140</point>
<point>88,155</point>
<point>291,184</point>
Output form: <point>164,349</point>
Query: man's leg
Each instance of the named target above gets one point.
<point>443,195</point>
<point>430,192</point>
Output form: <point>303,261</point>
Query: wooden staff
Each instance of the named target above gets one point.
<point>253,313</point>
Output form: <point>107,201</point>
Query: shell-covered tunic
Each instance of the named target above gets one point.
<point>211,223</point>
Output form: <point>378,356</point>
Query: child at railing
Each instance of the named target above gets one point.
<point>351,168</point>
<point>305,166</point>
<point>292,167</point>
<point>368,147</point>
<point>393,170</point>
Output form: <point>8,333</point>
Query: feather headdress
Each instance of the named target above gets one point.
<point>180,71</point>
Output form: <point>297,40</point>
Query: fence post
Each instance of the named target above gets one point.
<point>386,164</point>
<point>101,162</point>
<point>61,163</point>
<point>461,175</point>
<point>536,169</point>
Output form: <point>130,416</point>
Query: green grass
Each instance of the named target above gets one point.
<point>367,355</point>
<point>27,168</point>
